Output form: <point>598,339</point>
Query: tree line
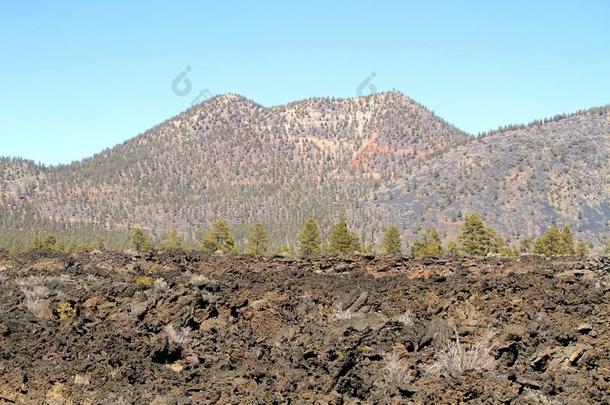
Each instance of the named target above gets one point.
<point>474,239</point>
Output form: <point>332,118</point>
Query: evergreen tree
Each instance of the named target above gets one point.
<point>342,240</point>
<point>555,242</point>
<point>219,239</point>
<point>309,240</point>
<point>452,248</point>
<point>607,249</point>
<point>582,249</point>
<point>172,240</point>
<point>392,241</point>
<point>258,242</point>
<point>568,240</point>
<point>476,239</point>
<point>428,245</point>
<point>284,250</point>
<point>139,240</point>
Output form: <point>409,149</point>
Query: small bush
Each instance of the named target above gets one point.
<point>145,281</point>
<point>65,311</point>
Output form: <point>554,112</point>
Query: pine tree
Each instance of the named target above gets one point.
<point>555,242</point>
<point>139,240</point>
<point>476,239</point>
<point>391,243</point>
<point>428,245</point>
<point>258,242</point>
<point>309,240</point>
<point>342,240</point>
<point>218,239</point>
<point>582,249</point>
<point>172,240</point>
<point>284,250</point>
<point>568,240</point>
<point>452,248</point>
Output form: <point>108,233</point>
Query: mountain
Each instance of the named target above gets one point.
<point>376,160</point>
<point>521,179</point>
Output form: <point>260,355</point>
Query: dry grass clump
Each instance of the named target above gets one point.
<point>456,358</point>
<point>181,337</point>
<point>394,370</point>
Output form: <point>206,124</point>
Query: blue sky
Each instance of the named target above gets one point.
<point>77,78</point>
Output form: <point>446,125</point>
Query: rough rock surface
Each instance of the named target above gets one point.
<point>89,329</point>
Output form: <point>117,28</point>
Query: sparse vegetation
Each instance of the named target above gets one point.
<point>456,358</point>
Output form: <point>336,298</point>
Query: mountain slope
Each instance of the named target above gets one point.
<point>521,179</point>
<point>231,157</point>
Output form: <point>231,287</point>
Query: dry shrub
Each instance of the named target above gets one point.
<point>457,358</point>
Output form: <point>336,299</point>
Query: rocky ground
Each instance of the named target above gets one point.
<point>110,328</point>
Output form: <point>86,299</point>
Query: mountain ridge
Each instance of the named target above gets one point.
<point>232,157</point>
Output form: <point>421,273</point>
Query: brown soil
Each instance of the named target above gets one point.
<point>280,330</point>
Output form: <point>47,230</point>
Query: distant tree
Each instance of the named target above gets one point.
<point>342,240</point>
<point>219,238</point>
<point>525,245</point>
<point>476,239</point>
<point>452,248</point>
<point>607,249</point>
<point>309,240</point>
<point>582,249</point>
<point>428,245</point>
<point>284,250</point>
<point>555,242</point>
<point>45,244</point>
<point>258,242</point>
<point>172,240</point>
<point>368,249</point>
<point>568,240</point>
<point>392,241</point>
<point>139,240</point>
